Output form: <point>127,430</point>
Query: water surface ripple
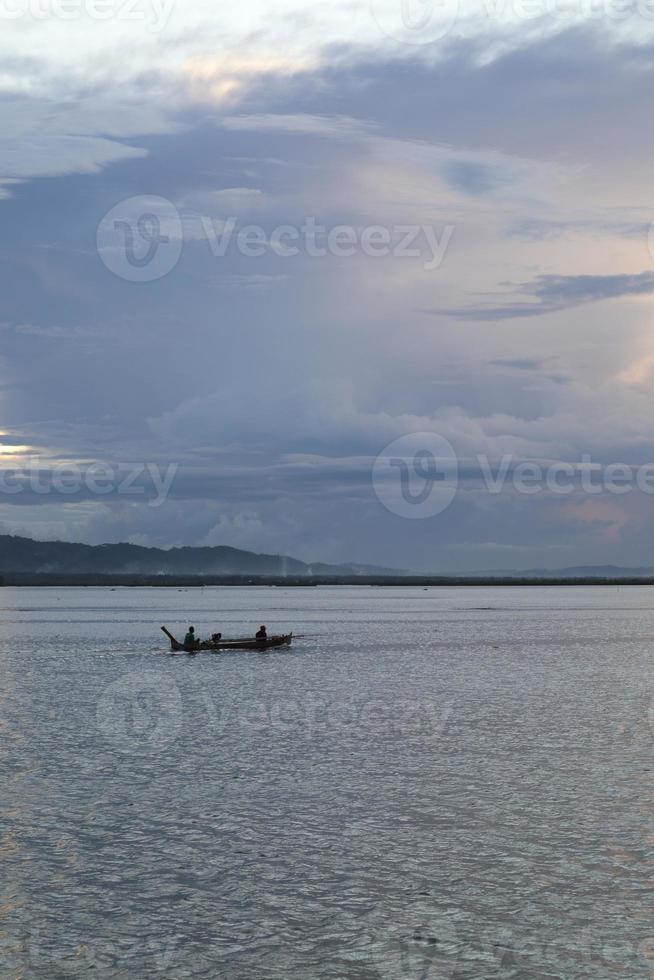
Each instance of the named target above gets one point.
<point>442,783</point>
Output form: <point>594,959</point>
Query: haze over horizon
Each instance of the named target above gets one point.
<point>248,391</point>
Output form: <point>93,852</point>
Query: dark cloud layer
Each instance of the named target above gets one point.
<point>272,382</point>
<point>553,293</point>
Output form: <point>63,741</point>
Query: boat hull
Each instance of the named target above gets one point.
<point>248,644</point>
<point>245,643</point>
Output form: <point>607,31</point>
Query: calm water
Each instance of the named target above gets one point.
<point>451,783</point>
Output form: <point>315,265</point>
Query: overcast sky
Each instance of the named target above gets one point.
<point>507,147</point>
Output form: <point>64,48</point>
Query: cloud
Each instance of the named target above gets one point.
<point>226,79</point>
<point>540,229</point>
<point>473,177</point>
<point>299,123</point>
<point>272,382</point>
<point>56,156</point>
<point>321,415</point>
<point>554,293</point>
<point>46,137</point>
<point>250,282</point>
<point>519,363</point>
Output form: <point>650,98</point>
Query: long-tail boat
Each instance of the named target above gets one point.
<point>215,646</point>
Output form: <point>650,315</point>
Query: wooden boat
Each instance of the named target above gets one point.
<point>245,643</point>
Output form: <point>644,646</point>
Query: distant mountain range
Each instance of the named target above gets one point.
<point>27,557</point>
<point>574,571</point>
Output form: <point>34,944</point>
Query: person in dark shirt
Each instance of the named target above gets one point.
<point>190,640</point>
<point>262,633</point>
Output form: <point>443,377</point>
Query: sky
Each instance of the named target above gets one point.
<point>349,281</point>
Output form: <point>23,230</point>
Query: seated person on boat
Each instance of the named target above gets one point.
<point>191,642</point>
<point>262,633</point>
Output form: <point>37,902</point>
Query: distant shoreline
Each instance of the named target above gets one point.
<point>200,581</point>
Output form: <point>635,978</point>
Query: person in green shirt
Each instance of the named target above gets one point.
<point>190,640</point>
